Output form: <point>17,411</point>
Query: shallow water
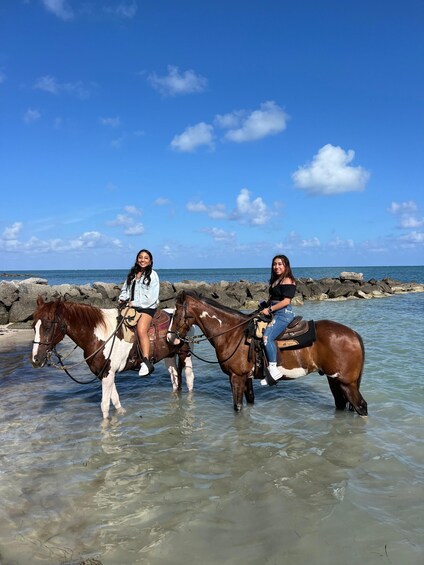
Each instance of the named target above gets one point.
<point>184,479</point>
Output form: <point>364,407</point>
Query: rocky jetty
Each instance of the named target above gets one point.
<point>18,297</point>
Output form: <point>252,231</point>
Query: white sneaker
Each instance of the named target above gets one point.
<point>274,371</point>
<point>144,370</point>
<point>274,374</point>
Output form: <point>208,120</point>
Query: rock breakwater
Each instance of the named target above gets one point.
<point>18,297</point>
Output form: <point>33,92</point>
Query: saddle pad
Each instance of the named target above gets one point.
<point>299,341</point>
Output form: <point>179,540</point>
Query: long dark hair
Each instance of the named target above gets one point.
<point>137,269</point>
<point>287,273</point>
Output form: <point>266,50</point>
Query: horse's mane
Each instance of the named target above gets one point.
<point>84,315</point>
<point>206,300</point>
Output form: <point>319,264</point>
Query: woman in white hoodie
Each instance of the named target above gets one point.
<point>141,291</point>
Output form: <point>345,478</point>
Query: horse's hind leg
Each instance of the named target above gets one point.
<point>173,373</point>
<point>336,389</point>
<point>356,400</point>
<point>347,393</point>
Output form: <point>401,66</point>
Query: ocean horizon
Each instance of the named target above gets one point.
<point>117,276</point>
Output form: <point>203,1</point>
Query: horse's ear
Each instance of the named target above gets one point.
<point>40,300</point>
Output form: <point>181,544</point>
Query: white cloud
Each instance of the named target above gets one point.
<point>197,207</point>
<point>110,122</point>
<point>133,210</point>
<point>175,83</point>
<point>194,137</point>
<point>220,235</point>
<point>270,119</point>
<point>59,8</point>
<point>31,116</point>
<point>398,207</point>
<point>12,232</point>
<point>308,243</point>
<point>127,221</point>
<point>50,84</point>
<point>117,142</point>
<point>339,243</point>
<point>247,211</point>
<point>407,212</point>
<point>135,229</point>
<point>330,173</point>
<point>124,9</point>
<point>253,212</point>
<point>215,211</point>
<point>413,237</point>
<point>162,201</point>
<point>88,240</point>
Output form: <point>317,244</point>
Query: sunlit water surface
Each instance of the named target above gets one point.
<point>183,479</point>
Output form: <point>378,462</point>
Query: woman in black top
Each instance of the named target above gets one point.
<point>282,288</point>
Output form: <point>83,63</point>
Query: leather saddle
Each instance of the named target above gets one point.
<point>297,327</point>
<point>158,327</point>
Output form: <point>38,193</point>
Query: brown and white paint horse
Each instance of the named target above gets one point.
<point>338,351</point>
<point>93,329</point>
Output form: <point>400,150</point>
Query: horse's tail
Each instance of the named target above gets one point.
<point>361,343</point>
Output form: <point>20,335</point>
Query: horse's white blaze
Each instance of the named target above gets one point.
<point>170,336</point>
<point>205,314</point>
<point>292,373</point>
<point>36,338</point>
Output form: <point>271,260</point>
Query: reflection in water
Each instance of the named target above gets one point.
<point>182,478</point>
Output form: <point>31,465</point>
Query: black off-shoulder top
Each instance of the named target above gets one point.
<point>281,291</point>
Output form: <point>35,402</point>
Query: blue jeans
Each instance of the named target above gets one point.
<point>279,323</point>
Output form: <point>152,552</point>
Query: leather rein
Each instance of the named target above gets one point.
<point>203,337</point>
<point>60,357</point>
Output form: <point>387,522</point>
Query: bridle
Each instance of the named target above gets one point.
<point>61,358</point>
<point>203,337</point>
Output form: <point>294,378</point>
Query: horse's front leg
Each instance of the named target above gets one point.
<point>116,400</point>
<point>189,374</point>
<point>110,393</point>
<point>238,387</point>
<point>248,393</point>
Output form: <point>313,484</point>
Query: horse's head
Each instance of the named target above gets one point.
<point>49,329</point>
<point>181,321</point>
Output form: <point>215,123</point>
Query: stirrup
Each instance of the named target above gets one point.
<point>270,381</point>
<point>149,364</point>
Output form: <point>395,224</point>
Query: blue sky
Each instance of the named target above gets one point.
<point>214,133</point>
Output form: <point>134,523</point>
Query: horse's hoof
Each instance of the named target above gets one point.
<point>120,410</point>
<point>238,407</point>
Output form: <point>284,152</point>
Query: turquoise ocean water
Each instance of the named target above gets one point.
<point>404,274</point>
<point>181,478</point>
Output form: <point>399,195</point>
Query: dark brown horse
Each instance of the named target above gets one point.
<point>106,352</point>
<point>338,351</point>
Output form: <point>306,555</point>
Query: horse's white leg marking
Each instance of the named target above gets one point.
<point>293,373</point>
<point>189,374</point>
<point>205,314</point>
<point>36,338</point>
<point>107,387</point>
<point>171,366</point>
<point>116,400</point>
